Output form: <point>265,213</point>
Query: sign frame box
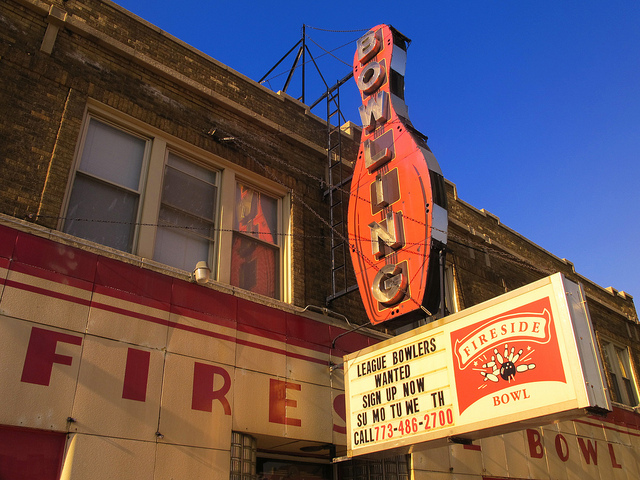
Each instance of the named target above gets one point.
<point>526,358</point>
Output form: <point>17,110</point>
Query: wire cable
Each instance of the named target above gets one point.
<point>338,31</point>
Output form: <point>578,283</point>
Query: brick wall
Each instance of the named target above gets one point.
<point>108,55</point>
<point>164,84</point>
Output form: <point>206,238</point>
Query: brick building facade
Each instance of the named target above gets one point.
<point>116,364</point>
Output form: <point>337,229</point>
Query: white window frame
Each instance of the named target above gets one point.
<point>615,354</point>
<point>156,154</point>
<point>230,178</point>
<point>152,208</point>
<point>78,158</point>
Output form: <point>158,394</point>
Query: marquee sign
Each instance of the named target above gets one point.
<point>397,211</point>
<point>522,359</point>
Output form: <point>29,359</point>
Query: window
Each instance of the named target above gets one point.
<point>186,222</point>
<point>255,254</point>
<point>247,465</point>
<point>616,359</point>
<point>243,457</point>
<point>289,469</point>
<point>104,201</point>
<point>138,190</point>
<point>390,468</point>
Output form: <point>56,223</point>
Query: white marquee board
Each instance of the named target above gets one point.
<point>525,358</point>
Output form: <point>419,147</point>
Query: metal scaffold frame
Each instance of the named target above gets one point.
<point>338,176</point>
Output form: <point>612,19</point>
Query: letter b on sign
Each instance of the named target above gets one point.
<point>535,443</point>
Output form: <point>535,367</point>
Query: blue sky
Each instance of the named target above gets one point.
<point>531,107</point>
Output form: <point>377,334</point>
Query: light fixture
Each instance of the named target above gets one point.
<point>219,135</point>
<point>201,273</point>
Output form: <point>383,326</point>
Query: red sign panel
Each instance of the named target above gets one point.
<point>518,347</point>
<point>397,212</point>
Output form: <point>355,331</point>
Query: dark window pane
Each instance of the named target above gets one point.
<point>189,194</point>
<point>254,266</point>
<point>272,469</point>
<point>102,213</point>
<point>616,388</point>
<point>630,392</point>
<point>184,242</point>
<point>256,214</point>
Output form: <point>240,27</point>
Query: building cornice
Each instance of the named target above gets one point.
<point>62,19</point>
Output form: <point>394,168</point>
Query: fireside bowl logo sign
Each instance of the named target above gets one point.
<point>397,216</point>
<point>525,358</point>
<point>517,348</point>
